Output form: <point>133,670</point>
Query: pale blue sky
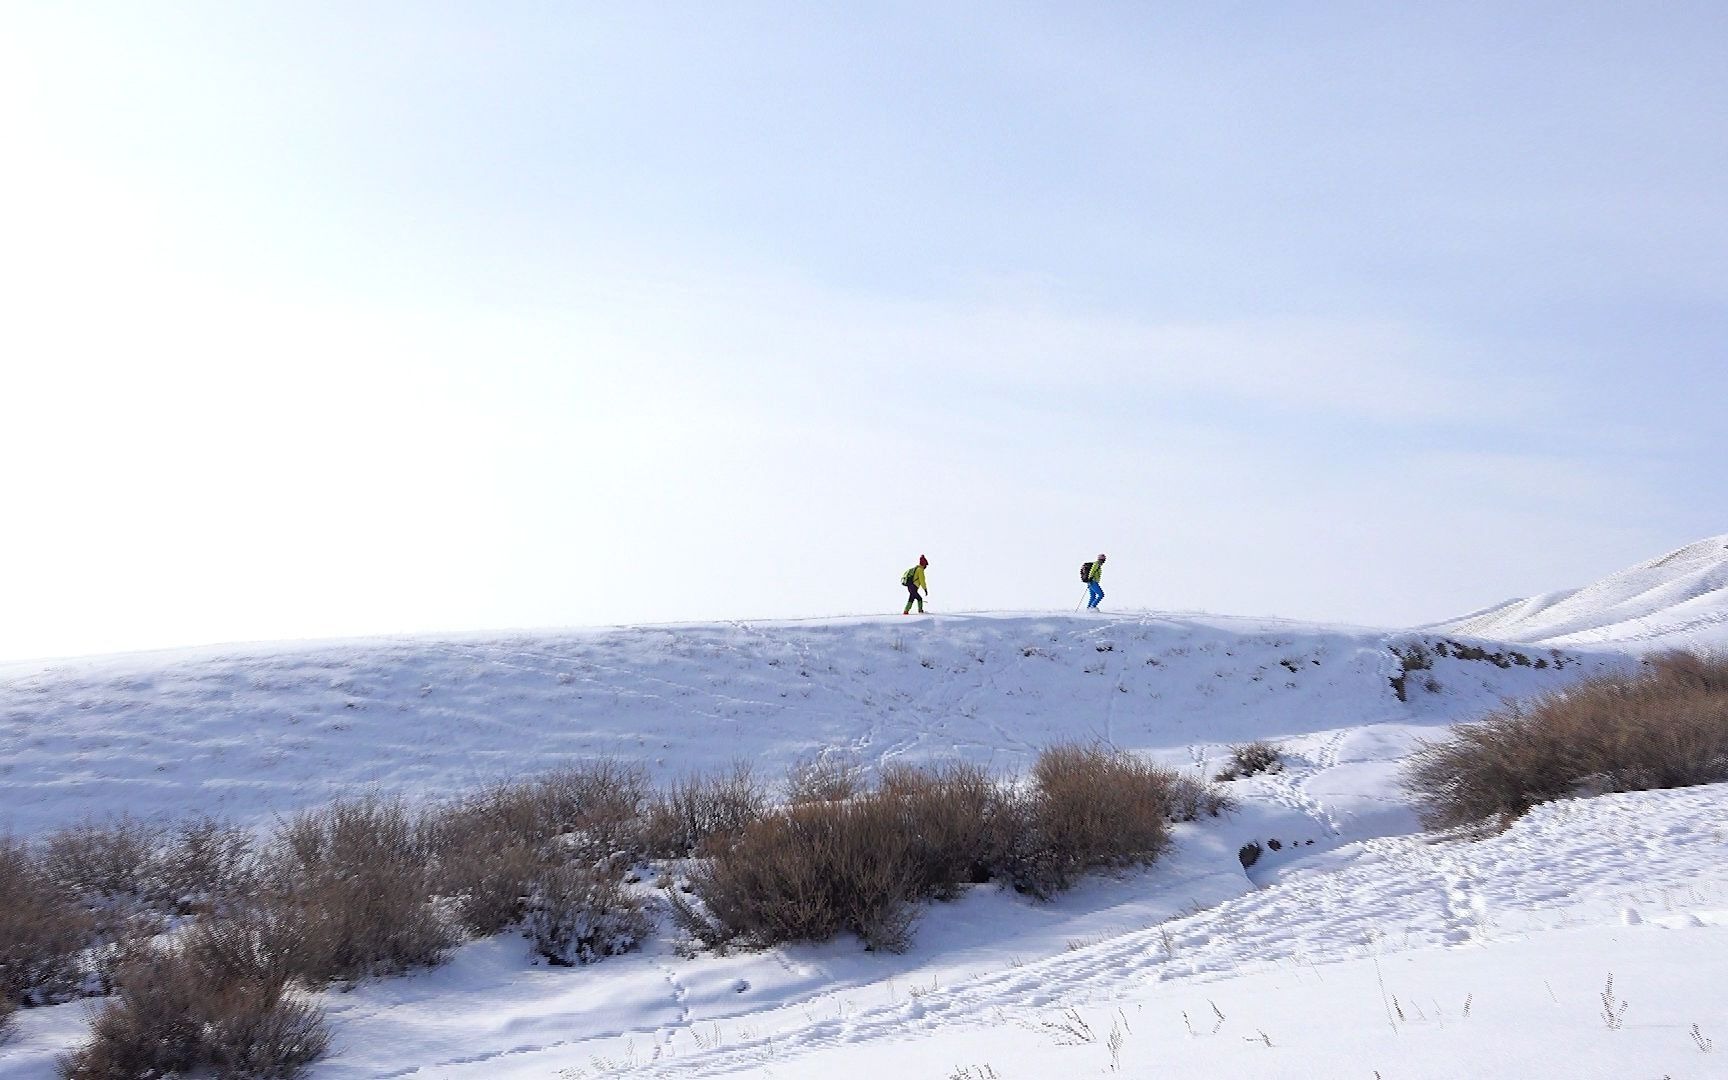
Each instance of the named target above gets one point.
<point>328,319</point>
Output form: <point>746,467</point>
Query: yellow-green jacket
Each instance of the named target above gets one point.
<point>1097,572</point>
<point>915,577</point>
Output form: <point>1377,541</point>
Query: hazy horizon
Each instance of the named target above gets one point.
<point>326,322</point>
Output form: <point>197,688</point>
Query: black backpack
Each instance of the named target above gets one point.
<point>1086,572</point>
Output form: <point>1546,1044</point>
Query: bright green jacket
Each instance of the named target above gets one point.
<point>1097,572</point>
<point>918,577</point>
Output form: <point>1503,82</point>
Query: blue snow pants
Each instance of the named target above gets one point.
<point>1097,592</point>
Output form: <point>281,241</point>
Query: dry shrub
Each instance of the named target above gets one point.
<point>702,813</point>
<point>1091,808</point>
<point>350,890</point>
<point>807,873</point>
<point>204,866</point>
<point>483,873</point>
<point>42,932</point>
<point>7,1008</point>
<point>593,809</point>
<point>821,779</point>
<point>1190,798</point>
<point>216,1000</point>
<point>103,861</point>
<point>577,915</point>
<point>1663,727</point>
<point>1251,759</point>
<point>134,877</point>
<point>492,847</point>
<point>962,825</point>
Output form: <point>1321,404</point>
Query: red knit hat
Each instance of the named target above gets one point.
<point>922,561</point>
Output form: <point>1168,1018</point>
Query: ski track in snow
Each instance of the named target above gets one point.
<point>1396,895</point>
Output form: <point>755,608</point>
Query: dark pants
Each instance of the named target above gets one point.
<point>912,597</point>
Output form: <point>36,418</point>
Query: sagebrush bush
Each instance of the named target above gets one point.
<point>42,932</point>
<point>215,1001</point>
<point>577,915</point>
<point>1092,808</point>
<point>1250,759</point>
<point>104,861</point>
<point>593,810</point>
<point>1192,798</point>
<point>132,878</point>
<point>822,779</point>
<point>350,888</point>
<point>491,847</point>
<point>204,866</point>
<point>1662,727</point>
<point>962,825</point>
<point>807,873</point>
<point>699,813</point>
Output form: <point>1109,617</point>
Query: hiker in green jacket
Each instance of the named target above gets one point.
<point>914,580</point>
<point>1091,577</point>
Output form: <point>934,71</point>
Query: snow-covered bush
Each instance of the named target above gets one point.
<point>577,916</point>
<point>1663,727</point>
<point>214,1001</point>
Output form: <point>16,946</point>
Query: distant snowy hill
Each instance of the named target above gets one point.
<point>1678,600</point>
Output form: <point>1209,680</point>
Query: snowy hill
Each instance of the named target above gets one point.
<point>248,732</point>
<point>1679,600</point>
<point>1354,944</point>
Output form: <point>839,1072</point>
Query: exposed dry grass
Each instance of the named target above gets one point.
<point>1665,726</point>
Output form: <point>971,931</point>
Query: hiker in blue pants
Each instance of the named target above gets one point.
<point>1091,572</point>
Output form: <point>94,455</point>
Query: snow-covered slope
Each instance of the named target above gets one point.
<point>247,732</point>
<point>1679,600</point>
<point>1353,945</point>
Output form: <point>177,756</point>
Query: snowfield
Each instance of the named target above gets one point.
<point>1355,946</point>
